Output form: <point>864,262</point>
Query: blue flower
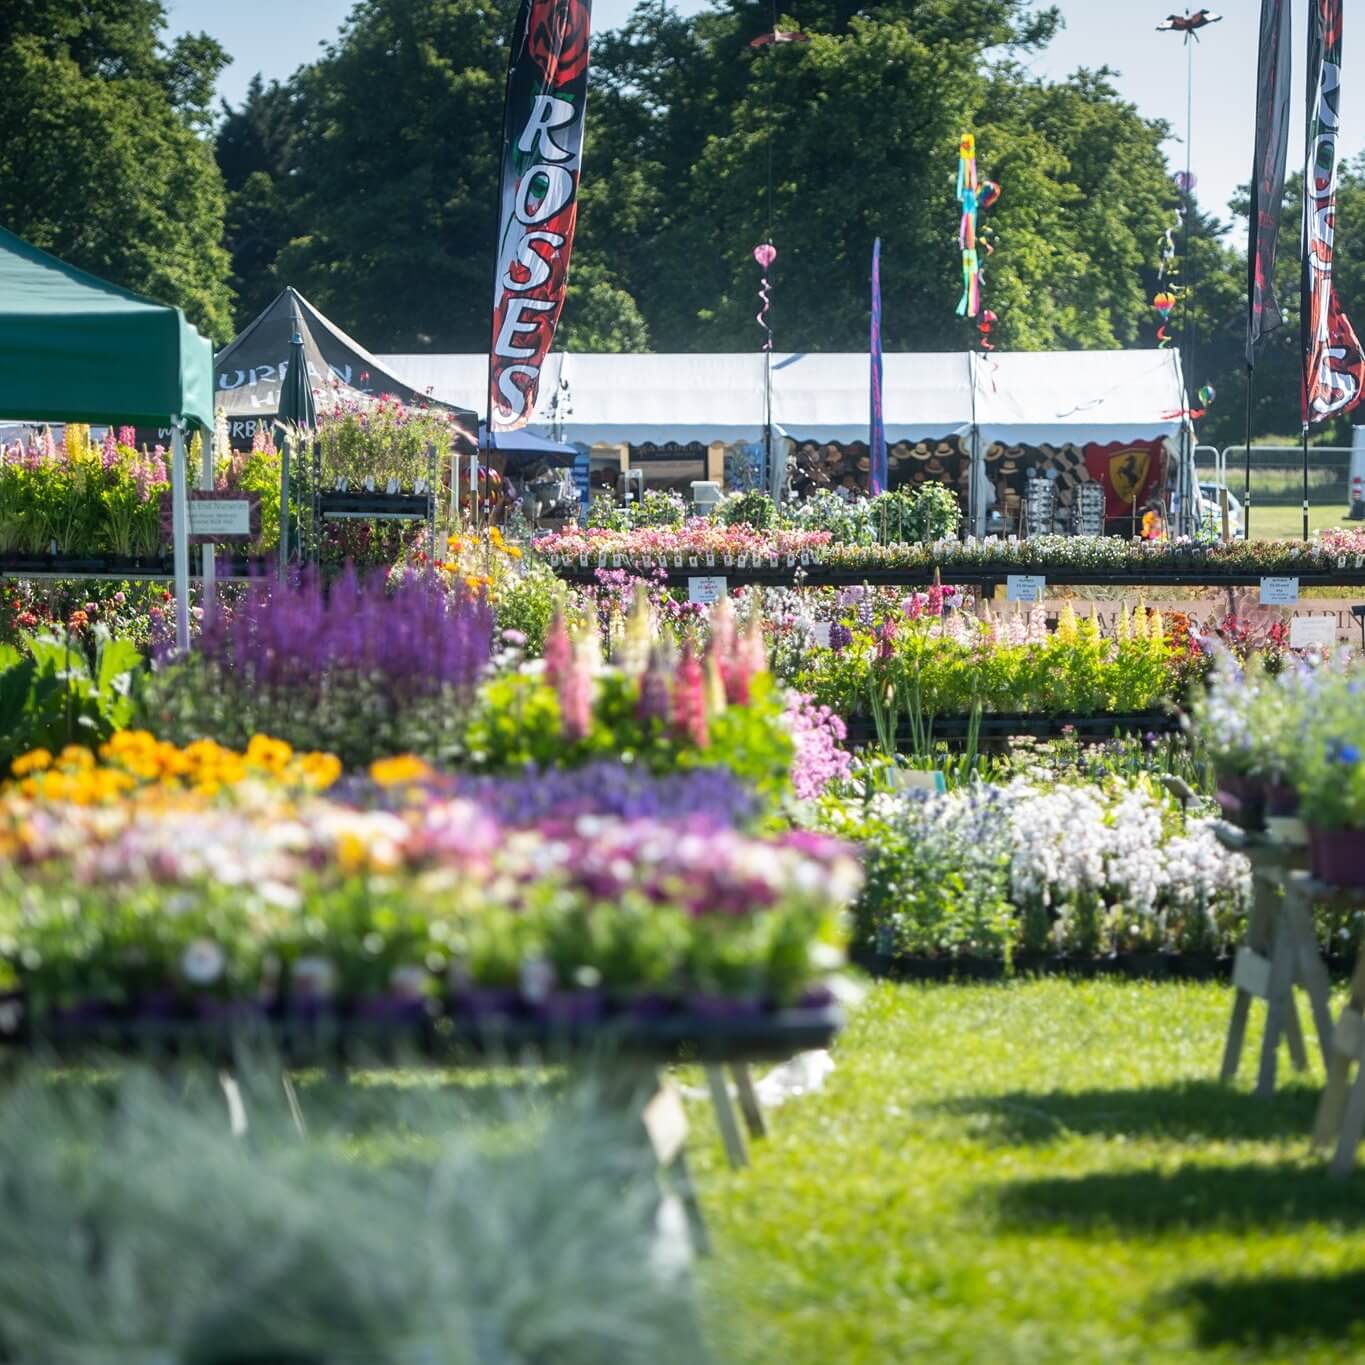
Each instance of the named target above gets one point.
<point>1348,753</point>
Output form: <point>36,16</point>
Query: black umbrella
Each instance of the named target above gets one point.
<point>297,411</point>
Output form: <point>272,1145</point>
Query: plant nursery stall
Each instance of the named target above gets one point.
<point>76,349</point>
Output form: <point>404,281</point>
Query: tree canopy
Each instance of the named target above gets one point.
<point>102,155</point>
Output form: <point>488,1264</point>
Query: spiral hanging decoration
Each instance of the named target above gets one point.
<point>765,254</point>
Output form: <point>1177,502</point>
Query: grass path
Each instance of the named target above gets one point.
<point>1039,1172</point>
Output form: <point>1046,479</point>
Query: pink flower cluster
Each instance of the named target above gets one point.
<point>818,734</point>
<point>695,537</point>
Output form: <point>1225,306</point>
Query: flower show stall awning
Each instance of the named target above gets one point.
<point>73,348</point>
<point>1050,397</point>
<point>825,397</point>
<point>249,371</point>
<point>1055,397</point>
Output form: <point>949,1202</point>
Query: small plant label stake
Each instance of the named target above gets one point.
<point>707,588</point>
<point>710,560</point>
<point>1025,587</point>
<point>1279,592</point>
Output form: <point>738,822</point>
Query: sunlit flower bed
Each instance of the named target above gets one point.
<point>1078,869</point>
<point>278,900</point>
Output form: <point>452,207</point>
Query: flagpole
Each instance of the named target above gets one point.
<point>1246,483</point>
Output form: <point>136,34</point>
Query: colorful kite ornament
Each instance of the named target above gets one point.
<point>1164,302</point>
<point>765,254</point>
<point>1186,181</point>
<point>1188,24</point>
<point>1207,394</point>
<point>968,194</point>
<point>988,321</point>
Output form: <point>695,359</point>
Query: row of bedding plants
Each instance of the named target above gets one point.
<point>711,543</point>
<point>1039,867</point>
<point>181,882</point>
<point>1289,745</point>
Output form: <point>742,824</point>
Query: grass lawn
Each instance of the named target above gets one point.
<point>1277,523</point>
<point>1039,1172</point>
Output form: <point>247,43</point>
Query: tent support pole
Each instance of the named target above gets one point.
<point>285,452</point>
<point>180,532</point>
<point>210,567</point>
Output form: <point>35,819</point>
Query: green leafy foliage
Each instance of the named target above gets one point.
<point>57,690</point>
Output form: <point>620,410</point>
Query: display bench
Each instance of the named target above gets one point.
<point>806,572</point>
<point>626,1058</point>
<point>862,730</point>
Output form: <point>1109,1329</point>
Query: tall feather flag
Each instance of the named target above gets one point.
<point>876,437</point>
<point>542,151</point>
<point>1267,171</point>
<point>1333,366</point>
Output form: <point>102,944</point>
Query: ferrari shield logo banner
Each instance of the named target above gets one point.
<point>547,87</point>
<point>1130,472</point>
<point>1333,367</point>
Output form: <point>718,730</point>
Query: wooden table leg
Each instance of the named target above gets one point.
<point>1352,1125</point>
<point>1293,1032</point>
<point>1279,1000</point>
<point>730,1135</point>
<point>1312,970</point>
<point>1257,939</point>
<point>748,1100</point>
<point>1237,1032</point>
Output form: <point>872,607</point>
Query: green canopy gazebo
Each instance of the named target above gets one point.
<point>76,349</point>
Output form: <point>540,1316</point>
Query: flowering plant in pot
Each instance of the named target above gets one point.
<point>1331,781</point>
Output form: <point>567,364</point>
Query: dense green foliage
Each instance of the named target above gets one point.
<point>102,155</point>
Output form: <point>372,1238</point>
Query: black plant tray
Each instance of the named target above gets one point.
<point>397,1032</point>
<point>390,506</point>
<point>1147,966</point>
<point>955,729</point>
<point>120,567</point>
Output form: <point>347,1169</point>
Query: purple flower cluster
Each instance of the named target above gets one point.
<point>415,637</point>
<point>611,788</point>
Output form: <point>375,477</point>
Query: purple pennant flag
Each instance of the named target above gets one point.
<point>876,441</point>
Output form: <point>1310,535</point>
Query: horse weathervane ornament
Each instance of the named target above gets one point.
<point>1189,24</point>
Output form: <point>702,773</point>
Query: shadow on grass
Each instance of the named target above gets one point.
<point>1202,1109</point>
<point>1281,1310</point>
<point>1249,1196</point>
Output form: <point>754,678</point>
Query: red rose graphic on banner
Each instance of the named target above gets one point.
<point>547,86</point>
<point>557,40</point>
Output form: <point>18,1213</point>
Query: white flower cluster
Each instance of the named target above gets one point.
<point>1107,868</point>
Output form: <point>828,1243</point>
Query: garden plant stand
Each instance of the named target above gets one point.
<point>1341,1112</point>
<point>1280,952</point>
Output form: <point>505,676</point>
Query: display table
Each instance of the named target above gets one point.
<point>1280,952</point>
<point>1341,1112</point>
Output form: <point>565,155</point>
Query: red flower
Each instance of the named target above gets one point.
<point>557,39</point>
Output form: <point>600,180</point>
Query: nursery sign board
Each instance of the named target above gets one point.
<point>1279,592</point>
<point>1312,630</point>
<point>221,518</point>
<point>705,588</point>
<point>1025,587</point>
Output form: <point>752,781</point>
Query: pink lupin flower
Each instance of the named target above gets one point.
<point>558,652</point>
<point>689,700</point>
<point>109,454</point>
<point>127,437</point>
<point>575,692</point>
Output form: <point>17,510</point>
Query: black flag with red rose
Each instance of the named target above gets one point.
<point>1333,364</point>
<point>547,87</point>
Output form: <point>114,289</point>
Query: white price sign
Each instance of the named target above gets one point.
<point>1312,630</point>
<point>220,517</point>
<point>1279,592</point>
<point>1025,587</point>
<point>705,588</point>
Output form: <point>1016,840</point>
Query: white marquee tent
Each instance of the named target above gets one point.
<point>1033,398</point>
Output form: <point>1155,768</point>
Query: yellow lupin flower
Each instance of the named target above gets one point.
<point>1068,631</point>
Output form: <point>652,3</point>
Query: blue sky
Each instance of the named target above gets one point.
<point>275,36</point>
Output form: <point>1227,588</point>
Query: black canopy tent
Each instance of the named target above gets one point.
<point>249,372</point>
